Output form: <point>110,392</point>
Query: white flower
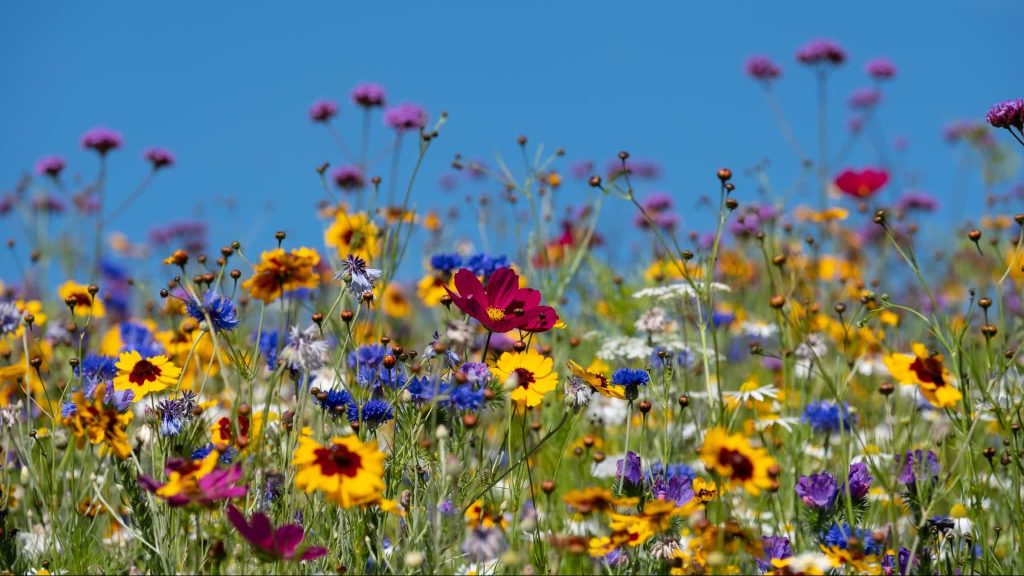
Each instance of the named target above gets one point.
<point>758,329</point>
<point>785,422</point>
<point>759,394</point>
<point>676,291</point>
<point>872,366</point>
<point>607,411</point>
<point>654,320</point>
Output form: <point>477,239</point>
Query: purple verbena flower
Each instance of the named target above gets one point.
<point>159,158</point>
<point>1008,114</point>
<point>880,69</point>
<point>405,116</point>
<point>763,69</point>
<point>821,51</point>
<point>50,166</point>
<point>368,95</point>
<point>102,140</point>
<point>323,111</point>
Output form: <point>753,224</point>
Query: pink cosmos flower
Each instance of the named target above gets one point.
<point>283,543</point>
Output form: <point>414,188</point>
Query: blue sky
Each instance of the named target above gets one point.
<point>227,86</point>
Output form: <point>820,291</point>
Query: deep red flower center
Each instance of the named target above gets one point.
<point>928,370</point>
<point>338,460</point>
<point>144,371</point>
<point>742,467</point>
<point>81,299</point>
<point>525,378</point>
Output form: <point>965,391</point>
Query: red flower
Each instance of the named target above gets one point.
<point>861,184</point>
<point>502,305</point>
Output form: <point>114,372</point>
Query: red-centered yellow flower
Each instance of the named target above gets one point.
<point>595,499</point>
<point>144,375</point>
<point>33,307</point>
<point>349,472</point>
<point>278,272</point>
<point>99,424</point>
<point>394,301</point>
<point>656,517</point>
<point>533,376</point>
<point>353,234</point>
<point>83,302</point>
<point>704,491</point>
<point>928,372</point>
<point>598,381</point>
<point>431,288</point>
<point>733,457</point>
<point>476,516</point>
<point>184,479</point>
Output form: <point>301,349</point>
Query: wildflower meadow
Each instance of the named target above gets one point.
<point>822,382</point>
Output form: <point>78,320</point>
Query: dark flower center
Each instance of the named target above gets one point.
<point>338,460</point>
<point>928,370</point>
<point>144,371</point>
<point>742,467</point>
<point>525,378</point>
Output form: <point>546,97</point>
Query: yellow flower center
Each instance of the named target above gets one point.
<point>495,314</point>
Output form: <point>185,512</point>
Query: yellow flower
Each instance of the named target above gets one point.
<point>33,307</point>
<point>656,517</point>
<point>144,375</point>
<point>533,376</point>
<point>928,372</point>
<point>430,289</point>
<point>278,272</point>
<point>432,222</point>
<point>353,234</point>
<point>99,424</point>
<point>704,490</point>
<point>598,381</point>
<point>595,499</point>
<point>184,480</point>
<point>734,458</point>
<point>349,472</point>
<point>83,302</point>
<point>476,516</point>
<point>394,303</point>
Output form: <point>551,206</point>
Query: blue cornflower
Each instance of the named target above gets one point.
<point>357,276</point>
<point>203,451</point>
<point>423,389</point>
<point>464,397</point>
<point>447,263</point>
<point>10,318</point>
<point>370,373</point>
<point>840,535</point>
<point>484,265</point>
<point>451,359</point>
<point>827,416</point>
<point>373,413</point>
<point>476,372</point>
<point>268,347</point>
<point>138,337</point>
<point>219,308</point>
<point>333,402</point>
<point>631,377</point>
<point>175,413</point>
<point>370,355</point>
<point>95,369</point>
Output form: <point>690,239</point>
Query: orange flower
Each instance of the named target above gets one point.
<point>279,272</point>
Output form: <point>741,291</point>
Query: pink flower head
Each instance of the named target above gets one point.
<point>862,184</point>
<point>159,158</point>
<point>501,305</point>
<point>405,116</point>
<point>821,51</point>
<point>323,111</point>
<point>210,489</point>
<point>368,95</point>
<point>865,98</point>
<point>763,69</point>
<point>349,178</point>
<point>50,166</point>
<point>880,69</point>
<point>101,140</point>
<point>283,543</point>
<point>636,169</point>
<point>1009,114</point>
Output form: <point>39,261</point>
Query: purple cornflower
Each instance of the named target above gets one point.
<point>918,465</point>
<point>865,98</point>
<point>880,69</point>
<point>50,166</point>
<point>476,372</point>
<point>917,201</point>
<point>283,543</point>
<point>817,491</point>
<point>348,178</point>
<point>821,51</point>
<point>773,548</point>
<point>1009,114</point>
<point>357,275</point>
<point>323,111</point>
<point>159,158</point>
<point>633,473</point>
<point>368,95</point>
<point>405,116</point>
<point>101,140</point>
<point>763,69</point>
<point>859,480</point>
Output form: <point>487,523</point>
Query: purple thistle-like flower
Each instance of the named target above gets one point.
<point>283,543</point>
<point>405,116</point>
<point>865,98</point>
<point>101,140</point>
<point>323,111</point>
<point>1008,114</point>
<point>50,166</point>
<point>368,95</point>
<point>159,158</point>
<point>918,465</point>
<point>763,69</point>
<point>880,69</point>
<point>821,51</point>
<point>817,491</point>
<point>357,275</point>
<point>348,178</point>
<point>633,473</point>
<point>859,480</point>
<point>773,548</point>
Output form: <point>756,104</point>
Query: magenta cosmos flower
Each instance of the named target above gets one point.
<point>405,116</point>
<point>101,140</point>
<point>323,111</point>
<point>186,489</point>
<point>368,95</point>
<point>50,166</point>
<point>159,158</point>
<point>763,69</point>
<point>880,69</point>
<point>283,543</point>
<point>501,305</point>
<point>821,51</point>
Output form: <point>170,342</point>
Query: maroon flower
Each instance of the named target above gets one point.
<point>284,543</point>
<point>863,184</point>
<point>502,305</point>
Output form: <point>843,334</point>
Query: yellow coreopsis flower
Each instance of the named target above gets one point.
<point>84,303</point>
<point>926,371</point>
<point>278,272</point>
<point>355,235</point>
<point>349,472</point>
<point>144,375</point>
<point>734,458</point>
<point>598,381</point>
<point>99,424</point>
<point>394,302</point>
<point>430,289</point>
<point>533,376</point>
